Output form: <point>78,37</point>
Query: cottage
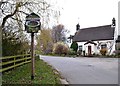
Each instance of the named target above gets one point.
<point>91,40</point>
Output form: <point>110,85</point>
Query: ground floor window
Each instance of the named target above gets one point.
<point>80,48</point>
<point>103,46</point>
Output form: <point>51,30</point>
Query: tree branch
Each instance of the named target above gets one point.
<point>8,16</point>
<point>23,12</point>
<point>12,14</point>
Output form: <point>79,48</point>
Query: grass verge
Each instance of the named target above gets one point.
<point>44,74</point>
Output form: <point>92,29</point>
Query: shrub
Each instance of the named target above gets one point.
<point>79,52</point>
<point>117,52</point>
<point>83,52</point>
<point>103,51</point>
<point>60,48</point>
<point>74,46</point>
<point>71,52</point>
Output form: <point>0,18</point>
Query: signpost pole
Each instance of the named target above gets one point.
<point>32,57</point>
<point>32,25</point>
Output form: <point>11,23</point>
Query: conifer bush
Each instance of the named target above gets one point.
<point>74,46</point>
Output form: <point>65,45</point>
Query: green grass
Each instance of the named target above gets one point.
<point>44,74</point>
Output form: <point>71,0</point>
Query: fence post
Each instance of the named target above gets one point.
<point>25,57</point>
<point>14,62</point>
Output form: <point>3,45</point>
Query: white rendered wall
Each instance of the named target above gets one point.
<point>95,49</point>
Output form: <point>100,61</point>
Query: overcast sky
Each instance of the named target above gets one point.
<point>88,13</point>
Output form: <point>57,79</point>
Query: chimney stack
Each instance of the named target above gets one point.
<point>113,22</point>
<point>77,27</point>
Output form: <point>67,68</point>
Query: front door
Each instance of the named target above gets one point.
<point>89,50</point>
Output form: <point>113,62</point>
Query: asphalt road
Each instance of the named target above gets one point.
<point>85,70</point>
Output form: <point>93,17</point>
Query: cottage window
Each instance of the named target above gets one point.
<point>104,46</point>
<point>80,48</point>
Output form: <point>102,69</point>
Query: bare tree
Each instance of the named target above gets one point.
<point>13,13</point>
<point>59,33</point>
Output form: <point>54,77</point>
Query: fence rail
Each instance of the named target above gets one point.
<point>11,62</point>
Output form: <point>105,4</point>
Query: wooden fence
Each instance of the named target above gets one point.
<point>11,62</point>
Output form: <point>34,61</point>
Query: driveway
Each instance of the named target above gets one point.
<point>85,70</point>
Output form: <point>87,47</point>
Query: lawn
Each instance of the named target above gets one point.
<point>44,74</point>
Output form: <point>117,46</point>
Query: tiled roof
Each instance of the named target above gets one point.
<point>105,32</point>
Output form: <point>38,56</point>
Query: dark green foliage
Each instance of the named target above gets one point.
<point>11,45</point>
<point>74,46</point>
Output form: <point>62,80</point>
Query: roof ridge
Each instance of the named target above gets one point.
<point>96,27</point>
